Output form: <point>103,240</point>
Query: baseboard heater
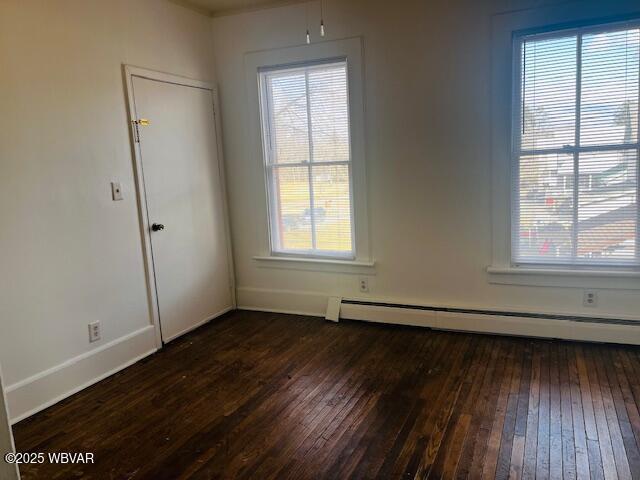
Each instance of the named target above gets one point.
<point>547,316</point>
<point>545,325</point>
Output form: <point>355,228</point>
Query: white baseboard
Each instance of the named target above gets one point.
<point>199,324</point>
<point>282,301</point>
<point>311,303</point>
<point>46,388</point>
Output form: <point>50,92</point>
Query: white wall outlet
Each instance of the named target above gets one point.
<point>94,332</point>
<point>364,284</point>
<point>116,191</point>
<point>590,298</point>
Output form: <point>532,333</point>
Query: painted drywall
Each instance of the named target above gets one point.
<point>69,254</point>
<point>428,109</point>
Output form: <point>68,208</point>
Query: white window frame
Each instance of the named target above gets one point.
<point>350,50</point>
<point>271,166</point>
<point>573,150</point>
<point>506,27</point>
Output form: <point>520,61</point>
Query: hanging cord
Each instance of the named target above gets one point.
<point>306,11</point>
<point>321,18</point>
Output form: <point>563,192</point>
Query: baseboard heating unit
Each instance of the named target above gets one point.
<point>543,325</point>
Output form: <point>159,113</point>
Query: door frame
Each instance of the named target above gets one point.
<point>129,72</point>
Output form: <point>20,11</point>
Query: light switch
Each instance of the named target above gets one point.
<point>116,191</point>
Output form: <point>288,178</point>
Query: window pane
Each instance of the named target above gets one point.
<point>332,207</point>
<point>546,208</point>
<point>289,133</point>
<point>329,113</point>
<point>607,212</point>
<point>291,220</point>
<point>609,100</point>
<point>548,93</point>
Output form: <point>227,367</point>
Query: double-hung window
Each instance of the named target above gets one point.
<point>576,150</point>
<point>307,154</point>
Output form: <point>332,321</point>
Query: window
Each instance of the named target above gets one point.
<point>576,147</point>
<point>306,141</point>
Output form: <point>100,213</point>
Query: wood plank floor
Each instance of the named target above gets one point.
<point>260,396</point>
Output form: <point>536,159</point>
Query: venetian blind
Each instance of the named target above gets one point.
<point>576,147</point>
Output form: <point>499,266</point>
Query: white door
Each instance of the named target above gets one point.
<point>184,200</point>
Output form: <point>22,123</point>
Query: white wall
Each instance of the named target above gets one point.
<point>70,255</point>
<point>427,97</point>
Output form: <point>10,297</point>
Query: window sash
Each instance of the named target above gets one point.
<point>271,166</point>
<point>576,149</point>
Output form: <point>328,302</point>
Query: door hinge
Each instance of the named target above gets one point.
<point>141,122</point>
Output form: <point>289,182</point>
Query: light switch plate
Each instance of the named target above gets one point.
<point>116,191</point>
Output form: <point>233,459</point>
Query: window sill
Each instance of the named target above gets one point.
<point>565,277</point>
<point>317,264</point>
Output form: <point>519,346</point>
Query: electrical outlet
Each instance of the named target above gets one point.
<point>94,332</point>
<point>116,191</point>
<point>364,284</point>
<point>590,298</point>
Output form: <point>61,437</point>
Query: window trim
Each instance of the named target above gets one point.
<point>504,26</point>
<point>270,166</point>
<point>575,263</point>
<point>349,49</point>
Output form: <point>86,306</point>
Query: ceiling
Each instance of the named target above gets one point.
<point>226,7</point>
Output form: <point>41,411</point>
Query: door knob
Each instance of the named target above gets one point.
<point>157,227</point>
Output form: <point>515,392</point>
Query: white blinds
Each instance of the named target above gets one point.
<point>576,188</point>
<point>305,125</point>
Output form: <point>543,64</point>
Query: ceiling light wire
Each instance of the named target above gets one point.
<point>307,18</point>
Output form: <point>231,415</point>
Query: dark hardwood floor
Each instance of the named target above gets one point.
<point>259,395</point>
